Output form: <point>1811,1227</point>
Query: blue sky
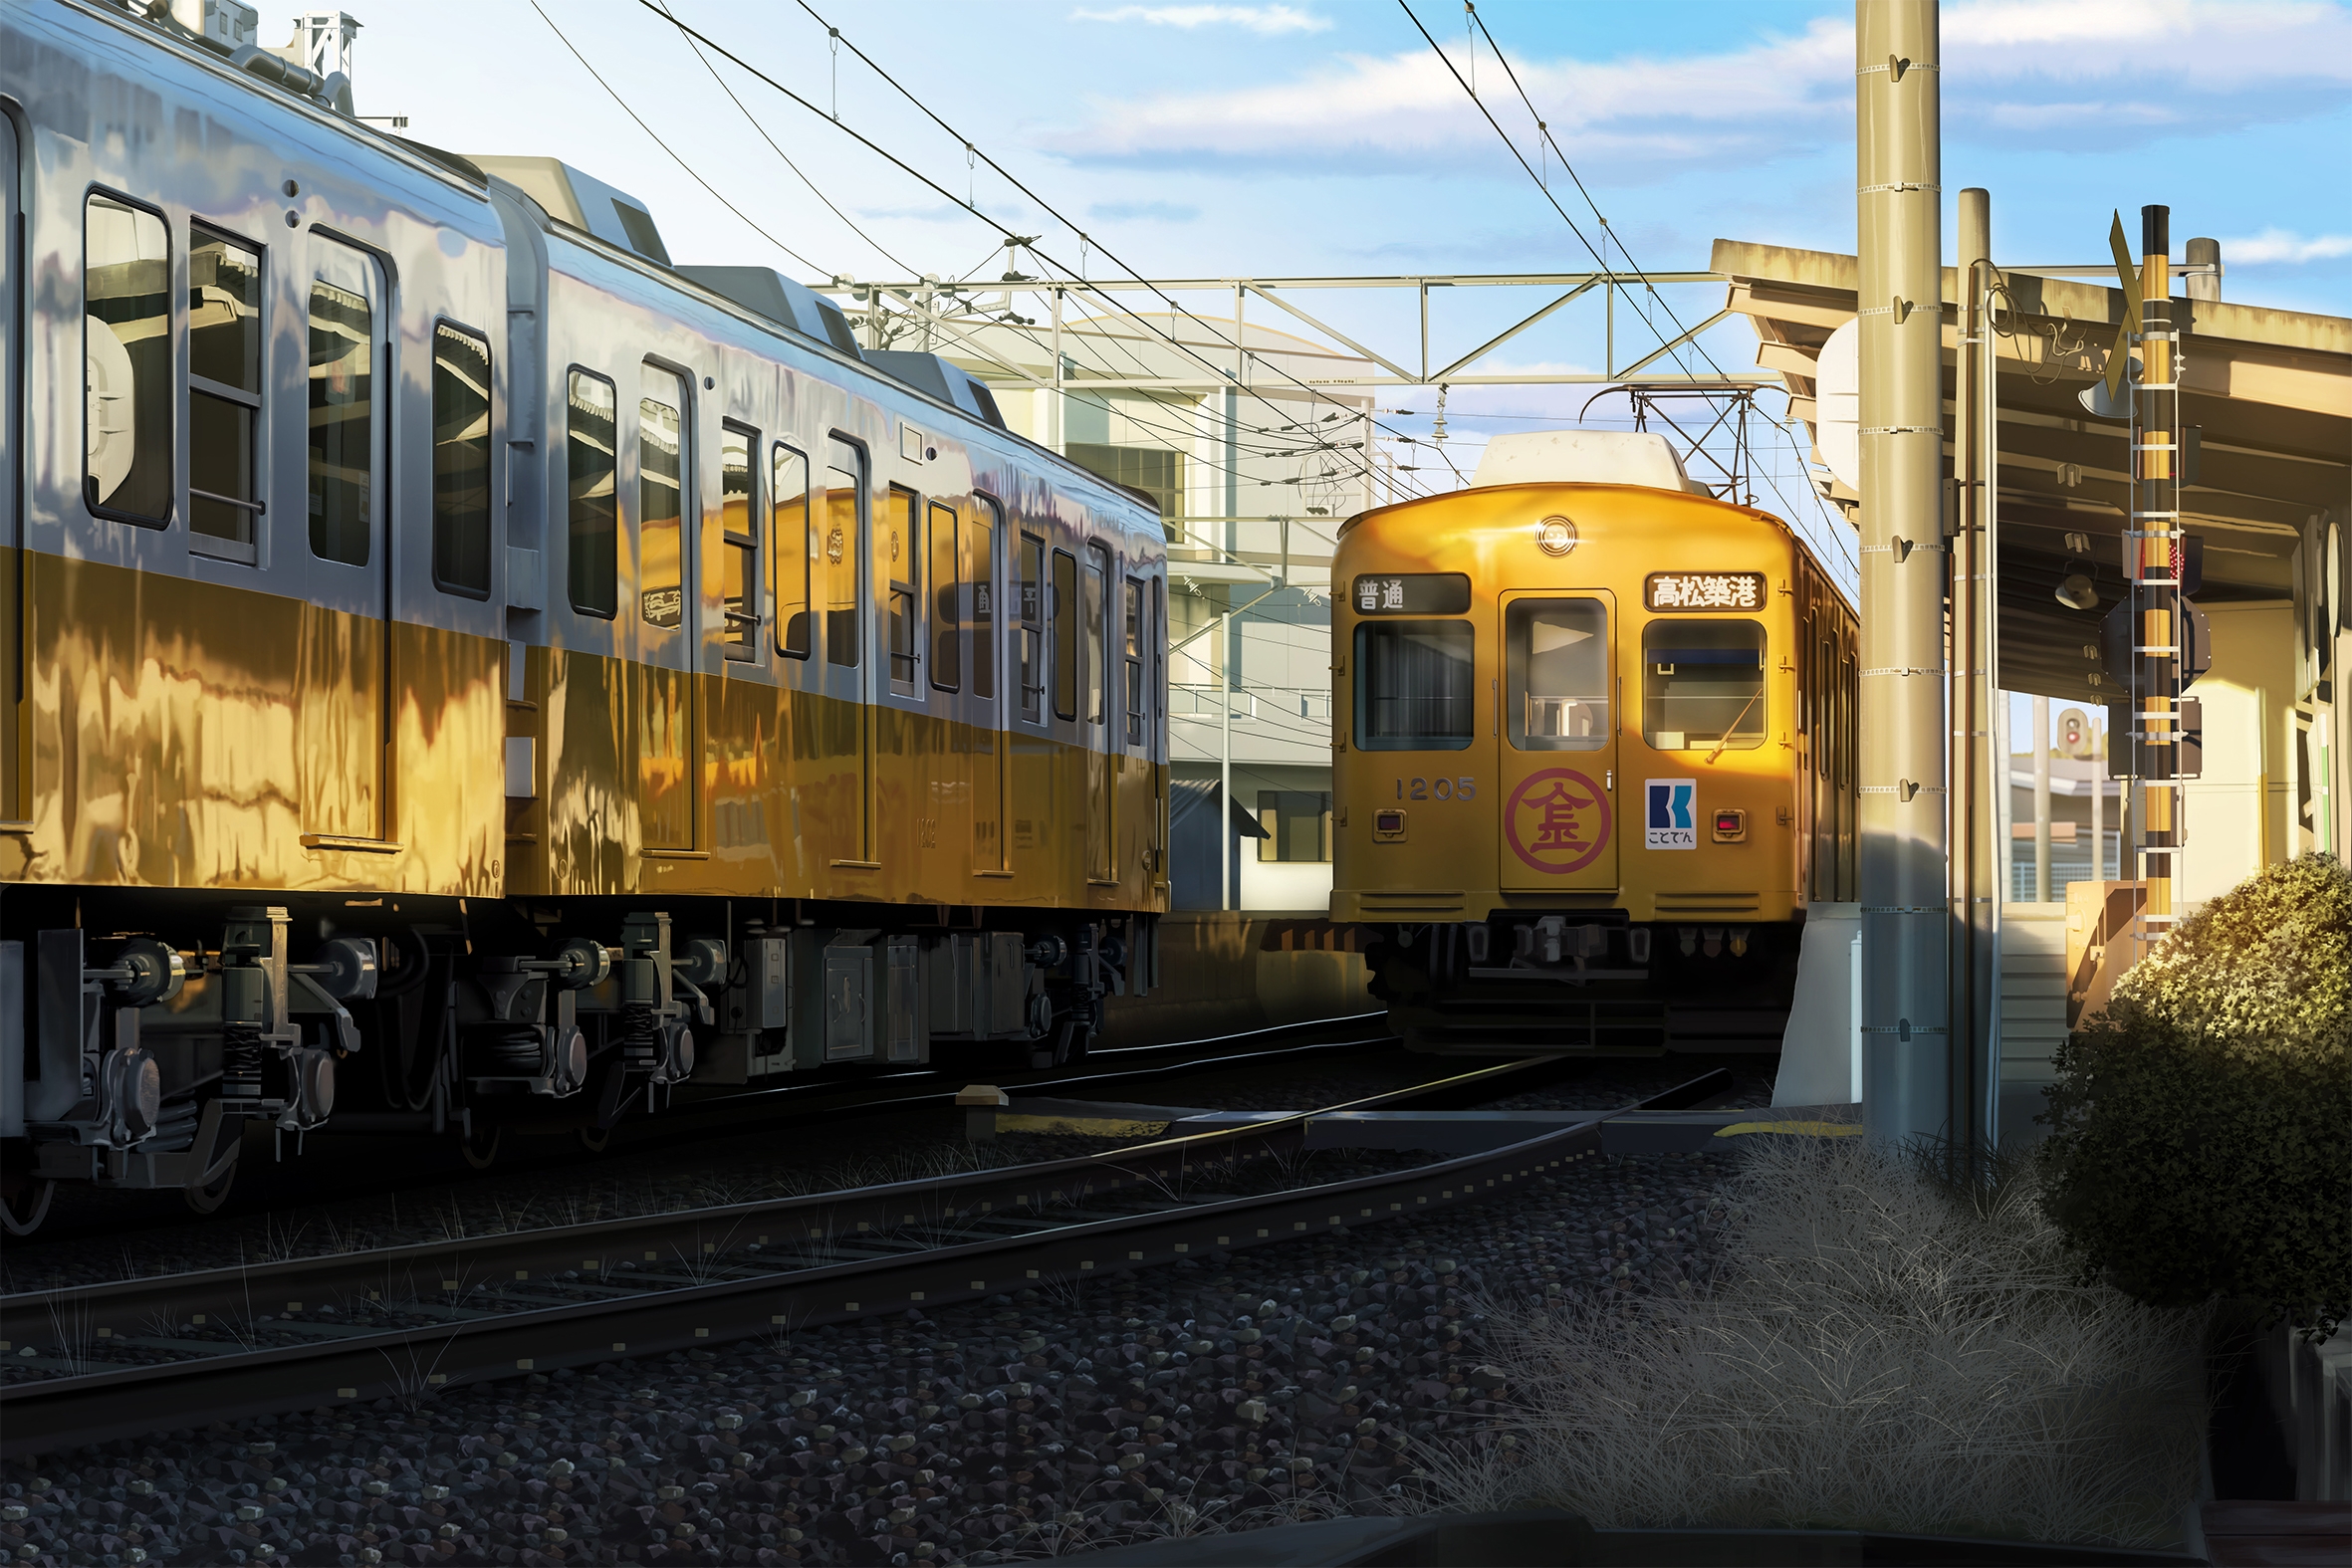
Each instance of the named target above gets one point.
<point>1322,137</point>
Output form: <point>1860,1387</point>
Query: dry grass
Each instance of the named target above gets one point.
<point>1881,1351</point>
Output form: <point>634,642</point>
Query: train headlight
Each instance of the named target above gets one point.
<point>1555,536</point>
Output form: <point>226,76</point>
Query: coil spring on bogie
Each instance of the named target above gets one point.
<point>240,1062</point>
<point>176,1128</point>
<point>513,1051</point>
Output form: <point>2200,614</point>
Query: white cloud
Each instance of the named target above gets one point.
<point>2097,72</point>
<point>1266,19</point>
<point>2282,245</point>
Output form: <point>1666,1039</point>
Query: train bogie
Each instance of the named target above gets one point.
<point>503,679</point>
<point>1597,756</point>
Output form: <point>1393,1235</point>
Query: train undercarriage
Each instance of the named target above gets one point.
<point>146,1039</point>
<point>1588,982</point>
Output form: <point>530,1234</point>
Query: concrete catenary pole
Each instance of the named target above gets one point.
<point>1906,1022</point>
<point>1977,774</point>
<point>2041,800</point>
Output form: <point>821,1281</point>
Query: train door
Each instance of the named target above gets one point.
<point>346,646</point>
<point>981,573</point>
<point>1101,776</point>
<point>662,672</point>
<point>1557,789</point>
<point>845,739</point>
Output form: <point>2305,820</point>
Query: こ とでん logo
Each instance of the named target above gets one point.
<point>1557,821</point>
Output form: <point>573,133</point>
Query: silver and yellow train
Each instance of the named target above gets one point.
<point>464,670</point>
<point>1598,754</point>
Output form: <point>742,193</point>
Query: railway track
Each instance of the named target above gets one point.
<point>89,1363</point>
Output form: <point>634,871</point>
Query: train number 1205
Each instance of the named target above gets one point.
<point>1436,789</point>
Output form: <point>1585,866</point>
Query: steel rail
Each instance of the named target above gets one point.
<point>858,1253</point>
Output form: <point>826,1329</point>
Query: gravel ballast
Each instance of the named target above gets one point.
<point>1297,1379</point>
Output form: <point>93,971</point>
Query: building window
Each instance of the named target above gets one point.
<point>224,394</point>
<point>126,360</point>
<point>461,462</point>
<point>591,547</point>
<point>1703,685</point>
<point>1298,825</point>
<point>1156,471</point>
<point>739,592</point>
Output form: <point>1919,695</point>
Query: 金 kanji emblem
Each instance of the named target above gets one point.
<point>1557,821</point>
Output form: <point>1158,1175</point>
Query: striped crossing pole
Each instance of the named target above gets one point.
<point>2153,558</point>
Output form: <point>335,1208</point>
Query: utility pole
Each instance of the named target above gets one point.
<point>1976,772</point>
<point>1906,1020</point>
<point>2153,558</point>
<point>1226,847</point>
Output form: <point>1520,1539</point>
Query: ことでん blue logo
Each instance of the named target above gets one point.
<point>1672,820</point>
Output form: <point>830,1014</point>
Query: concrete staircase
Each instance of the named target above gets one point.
<point>2032,1010</point>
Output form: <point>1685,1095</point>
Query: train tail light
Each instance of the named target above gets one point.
<point>1388,828</point>
<point>1730,827</point>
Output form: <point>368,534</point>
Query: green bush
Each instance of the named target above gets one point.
<point>2202,1125</point>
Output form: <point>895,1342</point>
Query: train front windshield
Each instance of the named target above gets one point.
<point>1414,687</point>
<point>1703,684</point>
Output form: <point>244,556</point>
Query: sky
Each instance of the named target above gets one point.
<point>1328,136</point>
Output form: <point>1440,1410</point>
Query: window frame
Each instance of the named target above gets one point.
<point>1516,613</point>
<point>1135,696</point>
<point>1097,575</point>
<point>571,540</point>
<point>1366,632</point>
<point>1062,632</point>
<point>856,550</point>
<point>745,649</point>
<point>804,556</point>
<point>174,312</point>
<point>1031,620</point>
<point>987,644</point>
<point>489,461</point>
<point>944,603</point>
<point>1761,702</point>
<point>689,496</point>
<point>219,546</point>
<point>379,394</point>
<point>906,507</point>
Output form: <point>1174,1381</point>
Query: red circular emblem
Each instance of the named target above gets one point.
<point>1557,821</point>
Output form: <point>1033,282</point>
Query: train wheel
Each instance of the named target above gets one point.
<point>206,1196</point>
<point>480,1147</point>
<point>23,1205</point>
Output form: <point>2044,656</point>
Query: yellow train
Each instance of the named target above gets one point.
<point>465,670</point>
<point>1596,754</point>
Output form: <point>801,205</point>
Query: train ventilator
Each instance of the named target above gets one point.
<point>466,672</point>
<point>1594,753</point>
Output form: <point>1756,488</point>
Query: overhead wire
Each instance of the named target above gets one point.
<point>748,221</point>
<point>976,154</point>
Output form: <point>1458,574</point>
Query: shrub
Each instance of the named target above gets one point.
<point>1880,1352</point>
<point>2202,1125</point>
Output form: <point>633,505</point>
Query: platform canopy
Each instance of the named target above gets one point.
<point>2268,393</point>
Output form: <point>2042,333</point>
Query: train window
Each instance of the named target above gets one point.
<point>461,462</point>
<point>947,620</point>
<point>905,619</point>
<point>1097,634</point>
<point>1134,661</point>
<point>661,498</point>
<point>591,554</point>
<point>1413,687</point>
<point>1157,641</point>
<point>844,542</point>
<point>344,290</point>
<point>126,360</point>
<point>980,570</point>
<point>1033,627</point>
<point>1557,674</point>
<point>793,547</point>
<point>739,590</point>
<point>1703,684</point>
<point>1062,609</point>
<point>1297,825</point>
<point>224,394</point>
